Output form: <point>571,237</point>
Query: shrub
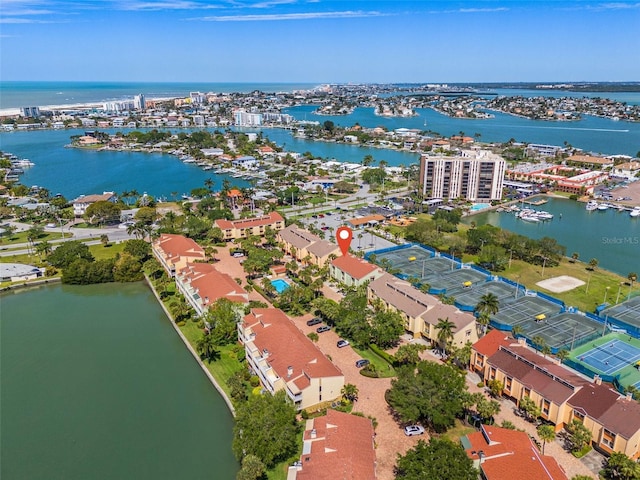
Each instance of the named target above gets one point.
<point>382,354</point>
<point>480,385</point>
<point>181,323</point>
<point>254,381</point>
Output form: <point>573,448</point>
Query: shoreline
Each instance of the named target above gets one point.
<point>195,355</point>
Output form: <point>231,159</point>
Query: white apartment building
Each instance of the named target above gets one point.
<point>243,118</point>
<point>474,175</point>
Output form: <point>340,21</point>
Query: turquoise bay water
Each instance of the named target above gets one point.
<point>610,236</point>
<point>73,172</point>
<point>97,385</point>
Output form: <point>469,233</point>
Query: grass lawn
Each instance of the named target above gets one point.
<point>585,299</point>
<point>222,368</point>
<point>100,252</point>
<point>458,431</point>
<point>382,366</point>
<point>21,237</point>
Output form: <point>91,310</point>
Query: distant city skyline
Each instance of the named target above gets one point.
<point>320,41</point>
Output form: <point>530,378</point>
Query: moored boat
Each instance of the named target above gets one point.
<point>591,205</point>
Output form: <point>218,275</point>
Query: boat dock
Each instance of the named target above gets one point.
<point>539,201</point>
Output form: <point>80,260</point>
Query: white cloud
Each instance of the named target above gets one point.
<point>290,16</point>
<point>165,5</point>
<point>481,10</point>
<point>616,6</point>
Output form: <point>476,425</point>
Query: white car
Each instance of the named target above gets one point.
<point>342,343</point>
<point>411,430</point>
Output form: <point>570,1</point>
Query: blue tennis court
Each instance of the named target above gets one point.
<point>611,356</point>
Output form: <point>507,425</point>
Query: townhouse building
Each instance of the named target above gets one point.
<point>353,271</point>
<point>306,247</point>
<point>202,285</point>
<point>235,229</point>
<point>421,312</point>
<point>336,446</point>
<point>175,251</point>
<point>562,395</point>
<point>284,358</point>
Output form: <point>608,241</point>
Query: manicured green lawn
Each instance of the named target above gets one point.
<point>382,366</point>
<point>101,252</point>
<point>21,237</point>
<point>585,297</point>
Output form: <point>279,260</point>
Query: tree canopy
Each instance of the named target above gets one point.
<point>440,458</point>
<point>433,394</point>
<point>266,427</point>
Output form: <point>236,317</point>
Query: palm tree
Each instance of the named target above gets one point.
<point>516,330</point>
<point>445,332</point>
<point>632,277</point>
<point>206,347</point>
<point>538,342</point>
<point>43,247</point>
<point>489,303</point>
<point>104,239</point>
<point>350,392</point>
<point>562,354</point>
<point>483,320</point>
<point>547,434</point>
<point>209,184</point>
<point>574,257</point>
<point>593,263</point>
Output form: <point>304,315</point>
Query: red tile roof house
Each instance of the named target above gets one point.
<point>234,229</point>
<point>285,359</point>
<point>175,251</point>
<point>487,346</point>
<point>201,284</point>
<point>563,395</point>
<point>353,271</point>
<point>503,454</point>
<point>337,446</point>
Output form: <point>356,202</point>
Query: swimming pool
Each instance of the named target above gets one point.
<point>280,285</point>
<point>479,206</point>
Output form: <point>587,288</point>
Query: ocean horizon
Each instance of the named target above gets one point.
<point>16,94</point>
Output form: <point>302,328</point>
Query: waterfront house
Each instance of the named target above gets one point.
<point>304,246</point>
<point>285,359</point>
<point>503,454</point>
<point>18,272</point>
<point>235,229</point>
<point>202,285</point>
<point>336,446</point>
<point>421,312</point>
<point>628,170</point>
<point>353,271</point>
<point>175,251</point>
<point>81,203</point>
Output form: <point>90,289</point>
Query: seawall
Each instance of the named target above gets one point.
<point>191,349</point>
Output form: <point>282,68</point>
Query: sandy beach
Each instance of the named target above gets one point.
<point>12,112</point>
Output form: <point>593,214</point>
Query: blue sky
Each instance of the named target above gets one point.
<point>320,41</point>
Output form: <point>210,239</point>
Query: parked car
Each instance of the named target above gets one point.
<point>342,343</point>
<point>363,362</point>
<point>411,430</point>
<point>314,321</point>
<point>323,328</point>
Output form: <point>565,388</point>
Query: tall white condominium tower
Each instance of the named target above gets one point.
<point>139,102</point>
<point>471,175</point>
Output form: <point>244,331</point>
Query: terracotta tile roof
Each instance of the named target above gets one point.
<point>589,159</point>
<point>287,346</point>
<point>179,246</point>
<point>212,285</point>
<point>338,446</point>
<point>269,219</point>
<point>491,342</point>
<point>550,387</point>
<point>509,454</point>
<point>353,266</point>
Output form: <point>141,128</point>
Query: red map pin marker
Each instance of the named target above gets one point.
<point>344,235</point>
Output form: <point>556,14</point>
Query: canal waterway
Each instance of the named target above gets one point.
<point>610,236</point>
<point>97,385</point>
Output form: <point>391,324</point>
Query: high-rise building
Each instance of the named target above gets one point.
<point>471,175</point>
<point>139,102</point>
<point>30,112</point>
